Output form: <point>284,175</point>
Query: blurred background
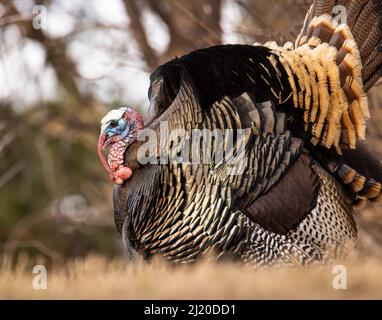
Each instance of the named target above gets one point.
<point>60,76</point>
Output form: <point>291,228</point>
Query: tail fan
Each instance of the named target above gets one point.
<point>335,60</point>
<point>364,21</point>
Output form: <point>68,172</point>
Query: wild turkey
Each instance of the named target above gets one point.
<point>303,109</point>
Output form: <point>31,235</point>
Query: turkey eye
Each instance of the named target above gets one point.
<point>113,124</point>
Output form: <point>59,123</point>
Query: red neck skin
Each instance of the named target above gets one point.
<point>101,146</point>
<point>118,147</point>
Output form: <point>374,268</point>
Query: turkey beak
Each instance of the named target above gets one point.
<point>102,143</point>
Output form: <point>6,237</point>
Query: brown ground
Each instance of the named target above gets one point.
<point>96,278</point>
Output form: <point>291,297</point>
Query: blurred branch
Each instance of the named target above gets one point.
<point>7,20</point>
<point>55,49</point>
<point>253,32</point>
<point>212,33</point>
<point>139,34</point>
<point>11,246</point>
<point>268,32</point>
<point>11,173</point>
<point>64,66</point>
<point>191,24</point>
<point>279,20</point>
<point>93,26</point>
<point>6,140</point>
<point>162,13</point>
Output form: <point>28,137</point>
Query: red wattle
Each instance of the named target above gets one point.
<point>124,173</point>
<point>100,147</point>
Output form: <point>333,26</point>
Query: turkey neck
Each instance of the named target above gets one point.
<point>116,153</point>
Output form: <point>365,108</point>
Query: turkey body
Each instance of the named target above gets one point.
<point>288,198</point>
<point>283,208</point>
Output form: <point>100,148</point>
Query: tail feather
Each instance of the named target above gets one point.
<point>354,9</point>
<point>372,66</point>
<point>348,109</point>
<point>364,21</point>
<point>323,7</point>
<point>329,70</point>
<point>359,64</point>
<point>358,170</point>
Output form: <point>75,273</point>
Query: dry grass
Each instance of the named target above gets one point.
<point>96,278</point>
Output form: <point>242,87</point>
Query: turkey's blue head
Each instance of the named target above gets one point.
<point>119,128</point>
